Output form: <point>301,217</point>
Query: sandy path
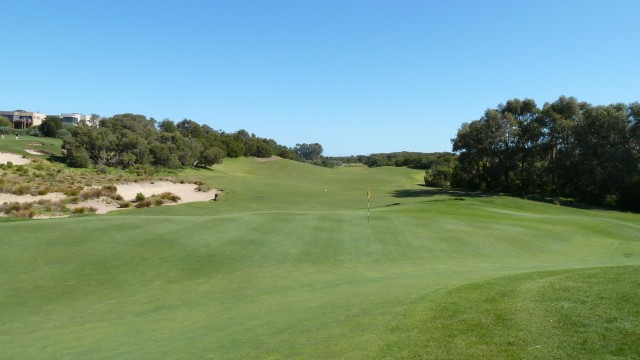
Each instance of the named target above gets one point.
<point>14,158</point>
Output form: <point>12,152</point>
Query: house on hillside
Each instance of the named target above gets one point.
<point>75,119</point>
<point>21,119</point>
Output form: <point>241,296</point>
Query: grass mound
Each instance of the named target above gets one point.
<point>585,313</point>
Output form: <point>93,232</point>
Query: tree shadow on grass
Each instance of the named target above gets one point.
<point>56,158</point>
<point>457,194</point>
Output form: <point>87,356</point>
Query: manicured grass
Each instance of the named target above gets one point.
<point>584,313</point>
<point>281,268</point>
<point>10,144</point>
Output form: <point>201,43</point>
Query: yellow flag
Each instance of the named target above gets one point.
<point>368,193</point>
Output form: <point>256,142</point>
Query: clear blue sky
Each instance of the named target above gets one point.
<point>356,76</point>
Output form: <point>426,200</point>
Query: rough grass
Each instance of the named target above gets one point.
<point>286,265</point>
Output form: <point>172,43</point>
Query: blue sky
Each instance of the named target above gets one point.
<point>358,77</point>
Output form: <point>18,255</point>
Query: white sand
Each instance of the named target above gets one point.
<point>128,191</point>
<point>30,198</point>
<point>186,192</point>
<point>103,205</point>
<point>14,158</point>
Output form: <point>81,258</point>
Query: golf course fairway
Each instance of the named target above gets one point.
<point>287,264</point>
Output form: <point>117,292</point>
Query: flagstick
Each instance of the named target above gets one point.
<point>368,203</point>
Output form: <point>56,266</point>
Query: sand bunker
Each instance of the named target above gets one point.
<point>9,198</point>
<point>14,158</point>
<point>186,192</point>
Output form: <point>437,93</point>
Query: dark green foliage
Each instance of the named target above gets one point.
<point>190,129</point>
<point>440,172</point>
<point>263,150</point>
<point>75,154</point>
<point>234,147</point>
<point>50,126</point>
<point>567,149</point>
<point>167,125</point>
<point>35,131</point>
<point>210,157</point>
<point>62,133</point>
<point>135,142</point>
<point>308,152</point>
<point>4,122</point>
<point>414,160</point>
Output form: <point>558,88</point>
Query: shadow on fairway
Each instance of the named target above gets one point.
<point>430,192</point>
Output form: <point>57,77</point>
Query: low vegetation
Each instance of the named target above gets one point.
<point>42,177</point>
<point>142,201</point>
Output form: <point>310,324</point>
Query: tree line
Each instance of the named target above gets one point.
<point>133,141</point>
<point>567,148</point>
<point>414,160</point>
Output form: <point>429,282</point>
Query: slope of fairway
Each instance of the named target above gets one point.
<point>586,313</point>
<point>281,268</point>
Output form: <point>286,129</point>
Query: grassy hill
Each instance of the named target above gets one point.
<point>47,145</point>
<point>286,265</point>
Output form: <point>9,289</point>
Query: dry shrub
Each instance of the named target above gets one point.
<point>22,189</point>
<point>51,206</point>
<point>170,196</point>
<point>83,210</point>
<point>124,204</point>
<point>203,188</point>
<point>72,191</point>
<point>111,192</point>
<point>109,189</point>
<point>144,204</point>
<point>91,193</point>
<point>23,214</point>
<point>16,209</point>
